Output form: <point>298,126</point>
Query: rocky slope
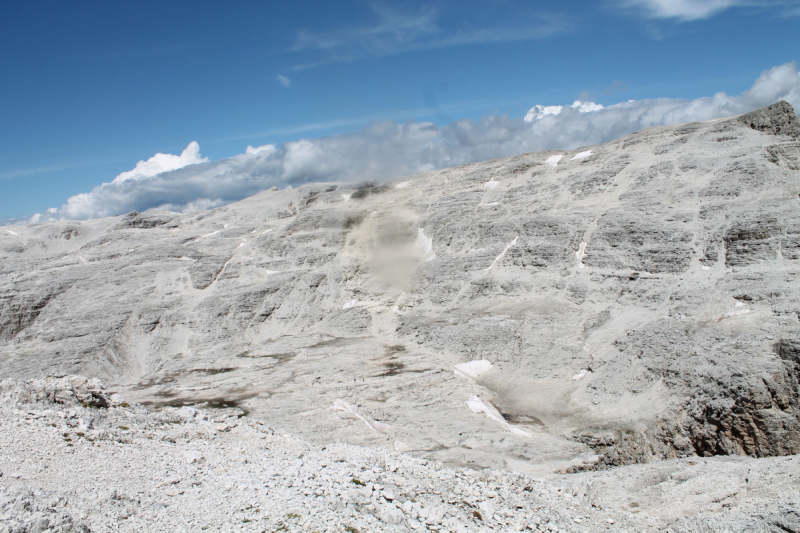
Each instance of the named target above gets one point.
<point>551,312</point>
<point>73,459</point>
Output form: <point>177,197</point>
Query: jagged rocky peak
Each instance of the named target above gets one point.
<point>778,119</point>
<point>569,310</point>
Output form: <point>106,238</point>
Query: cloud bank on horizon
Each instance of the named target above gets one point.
<point>383,150</point>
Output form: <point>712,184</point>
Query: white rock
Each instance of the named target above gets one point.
<point>473,369</point>
<point>434,516</point>
<point>192,456</point>
<point>487,510</point>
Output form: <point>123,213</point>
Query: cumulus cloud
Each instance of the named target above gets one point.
<point>259,149</point>
<point>539,111</point>
<point>84,205</point>
<point>389,149</point>
<point>163,163</point>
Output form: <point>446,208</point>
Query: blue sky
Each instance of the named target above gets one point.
<point>91,88</point>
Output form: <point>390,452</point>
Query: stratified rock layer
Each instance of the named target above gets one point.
<point>636,300</point>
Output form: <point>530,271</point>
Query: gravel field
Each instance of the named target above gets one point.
<point>68,467</point>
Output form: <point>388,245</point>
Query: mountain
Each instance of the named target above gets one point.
<point>559,311</point>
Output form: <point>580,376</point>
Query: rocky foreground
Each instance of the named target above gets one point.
<point>73,459</point>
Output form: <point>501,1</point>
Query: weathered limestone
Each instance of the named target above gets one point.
<point>636,303</point>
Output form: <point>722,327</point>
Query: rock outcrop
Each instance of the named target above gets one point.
<point>67,391</point>
<point>777,119</point>
<point>635,300</point>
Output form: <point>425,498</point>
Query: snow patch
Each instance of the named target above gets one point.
<point>581,155</point>
<point>490,204</point>
<point>346,196</point>
<point>554,159</point>
<point>580,254</point>
<point>425,244</point>
<point>266,231</point>
<point>499,257</point>
<point>242,243</point>
<point>588,349</point>
<point>203,237</point>
<point>491,184</point>
<point>352,412</point>
<point>184,258</point>
<point>476,405</point>
<point>401,185</point>
<point>348,305</point>
<point>473,369</point>
<point>736,313</point>
<point>582,374</point>
<point>538,112</point>
<point>704,267</point>
<point>11,232</point>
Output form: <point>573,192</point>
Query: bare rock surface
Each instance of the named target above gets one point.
<point>70,468</point>
<point>559,312</point>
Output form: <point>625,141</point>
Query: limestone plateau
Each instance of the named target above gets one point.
<point>555,314</point>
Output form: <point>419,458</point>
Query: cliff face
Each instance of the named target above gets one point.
<point>636,300</point>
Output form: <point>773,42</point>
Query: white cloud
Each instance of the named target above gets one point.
<point>201,204</point>
<point>394,31</point>
<point>283,80</point>
<point>681,9</point>
<point>687,10</point>
<point>163,163</point>
<point>388,149</point>
<point>267,148</point>
<point>539,111</point>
